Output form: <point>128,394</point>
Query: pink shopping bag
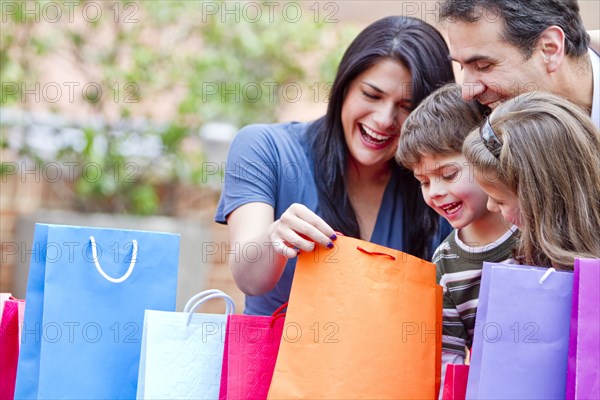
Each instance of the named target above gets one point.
<point>251,347</point>
<point>10,340</point>
<point>455,382</point>
<point>583,371</point>
<point>3,298</point>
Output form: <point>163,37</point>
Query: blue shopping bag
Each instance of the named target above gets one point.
<point>87,292</point>
<point>521,338</point>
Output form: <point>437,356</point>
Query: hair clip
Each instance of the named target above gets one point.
<point>489,138</point>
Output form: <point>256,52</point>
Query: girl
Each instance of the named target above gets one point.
<point>537,156</point>
<point>289,186</point>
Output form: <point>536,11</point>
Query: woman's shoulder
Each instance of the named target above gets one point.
<point>282,142</point>
<point>280,132</point>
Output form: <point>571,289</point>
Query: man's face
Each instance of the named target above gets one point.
<point>494,70</point>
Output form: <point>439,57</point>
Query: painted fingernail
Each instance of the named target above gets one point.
<point>330,245</point>
<point>333,237</point>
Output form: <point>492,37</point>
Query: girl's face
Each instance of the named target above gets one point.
<point>376,105</point>
<point>501,199</point>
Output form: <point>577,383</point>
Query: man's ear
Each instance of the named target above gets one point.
<point>552,47</point>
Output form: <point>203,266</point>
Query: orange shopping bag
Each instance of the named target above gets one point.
<point>363,321</point>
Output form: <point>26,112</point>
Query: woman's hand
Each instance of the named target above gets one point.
<point>260,246</point>
<point>299,229</point>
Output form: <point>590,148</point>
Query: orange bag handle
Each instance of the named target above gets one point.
<point>376,253</point>
<point>371,253</point>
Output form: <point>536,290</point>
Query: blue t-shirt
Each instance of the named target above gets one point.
<point>273,164</point>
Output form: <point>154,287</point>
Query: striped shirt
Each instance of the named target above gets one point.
<point>459,273</point>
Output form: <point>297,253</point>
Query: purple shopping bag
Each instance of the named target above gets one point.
<point>583,375</point>
<point>521,337</point>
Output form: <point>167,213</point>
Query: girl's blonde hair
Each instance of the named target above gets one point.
<point>550,158</point>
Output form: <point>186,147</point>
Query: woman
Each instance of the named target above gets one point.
<point>538,159</point>
<point>289,187</point>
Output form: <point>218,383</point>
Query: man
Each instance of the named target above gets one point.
<point>507,47</point>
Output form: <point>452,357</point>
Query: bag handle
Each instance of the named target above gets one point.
<point>198,296</point>
<point>278,314</point>
<point>546,275</point>
<point>375,253</point>
<point>279,310</point>
<point>101,271</point>
<point>229,305</point>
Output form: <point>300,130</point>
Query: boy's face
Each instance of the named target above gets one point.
<point>449,187</point>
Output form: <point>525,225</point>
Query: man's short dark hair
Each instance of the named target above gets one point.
<point>525,20</point>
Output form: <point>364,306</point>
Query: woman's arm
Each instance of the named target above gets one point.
<point>262,245</point>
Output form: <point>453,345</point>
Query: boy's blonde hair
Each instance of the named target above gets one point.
<point>550,158</point>
<point>438,126</point>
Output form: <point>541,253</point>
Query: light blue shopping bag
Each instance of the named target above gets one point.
<point>182,352</point>
<point>87,292</point>
<point>521,338</point>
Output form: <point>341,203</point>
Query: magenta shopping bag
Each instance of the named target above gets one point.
<point>455,382</point>
<point>251,347</point>
<point>583,374</point>
<point>521,338</point>
<point>3,298</point>
<point>10,340</point>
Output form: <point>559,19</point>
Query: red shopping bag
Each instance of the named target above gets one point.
<point>455,382</point>
<point>10,340</point>
<point>583,371</point>
<point>251,347</point>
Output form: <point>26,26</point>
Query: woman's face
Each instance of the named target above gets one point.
<point>376,105</point>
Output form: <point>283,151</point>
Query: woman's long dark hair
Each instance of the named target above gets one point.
<point>419,47</point>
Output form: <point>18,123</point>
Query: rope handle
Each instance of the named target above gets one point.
<point>280,309</point>
<point>546,275</point>
<point>275,318</point>
<point>278,314</point>
<point>134,253</point>
<point>198,296</point>
<point>375,253</point>
<point>229,304</point>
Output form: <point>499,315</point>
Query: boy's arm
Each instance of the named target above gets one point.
<point>454,333</point>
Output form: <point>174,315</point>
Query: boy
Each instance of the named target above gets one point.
<point>430,145</point>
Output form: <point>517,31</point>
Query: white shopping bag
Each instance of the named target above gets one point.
<point>182,352</point>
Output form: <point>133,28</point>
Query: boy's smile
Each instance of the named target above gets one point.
<point>452,207</point>
<point>449,188</point>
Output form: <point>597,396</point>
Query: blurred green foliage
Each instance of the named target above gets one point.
<point>201,61</point>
